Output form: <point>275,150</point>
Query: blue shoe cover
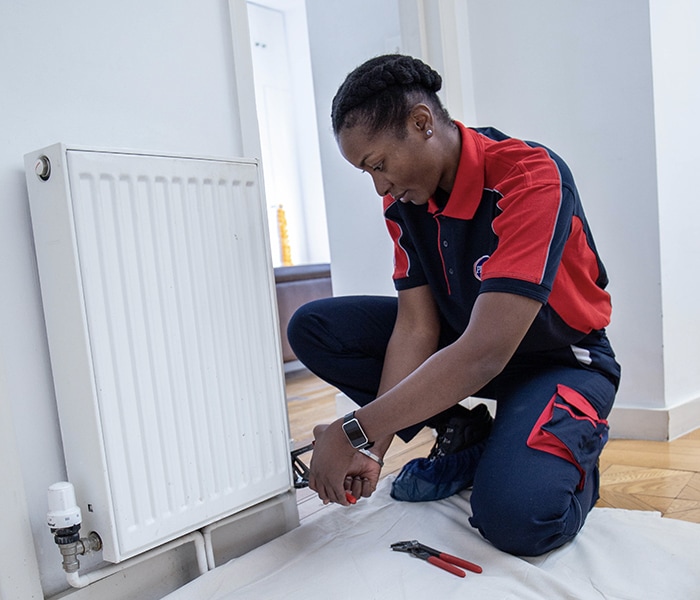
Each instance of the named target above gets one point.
<point>422,480</point>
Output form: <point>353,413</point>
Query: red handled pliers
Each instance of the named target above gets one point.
<point>301,471</point>
<point>437,558</point>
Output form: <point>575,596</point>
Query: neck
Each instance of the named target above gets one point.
<point>440,197</point>
<point>452,153</point>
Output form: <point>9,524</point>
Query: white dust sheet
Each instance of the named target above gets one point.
<point>343,553</point>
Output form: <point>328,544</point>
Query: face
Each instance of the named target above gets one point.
<point>403,167</point>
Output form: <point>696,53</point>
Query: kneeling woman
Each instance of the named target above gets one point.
<point>501,295</point>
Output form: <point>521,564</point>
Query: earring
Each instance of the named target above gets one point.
<point>429,132</point>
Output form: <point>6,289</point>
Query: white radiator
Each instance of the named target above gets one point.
<point>159,301</point>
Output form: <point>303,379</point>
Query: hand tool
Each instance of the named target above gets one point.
<point>301,471</point>
<point>436,557</point>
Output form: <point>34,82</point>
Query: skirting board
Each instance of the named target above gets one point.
<point>655,424</point>
<point>625,423</point>
<point>155,578</point>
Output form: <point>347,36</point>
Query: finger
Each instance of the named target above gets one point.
<point>319,429</point>
<point>368,488</point>
<point>357,487</point>
<point>329,493</point>
<point>321,491</point>
<point>349,489</point>
<point>339,496</point>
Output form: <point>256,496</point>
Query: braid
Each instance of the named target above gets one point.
<point>381,92</point>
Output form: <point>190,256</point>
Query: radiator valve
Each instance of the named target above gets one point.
<point>64,519</point>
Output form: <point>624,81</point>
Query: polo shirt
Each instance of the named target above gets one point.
<point>512,223</point>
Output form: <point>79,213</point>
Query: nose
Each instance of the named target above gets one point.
<point>381,184</point>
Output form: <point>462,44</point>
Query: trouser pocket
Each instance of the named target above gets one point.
<point>570,428</point>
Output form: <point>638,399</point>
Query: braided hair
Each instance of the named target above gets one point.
<point>381,92</point>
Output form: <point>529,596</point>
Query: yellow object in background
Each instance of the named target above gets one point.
<point>283,231</point>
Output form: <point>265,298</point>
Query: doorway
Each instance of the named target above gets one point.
<point>288,135</point>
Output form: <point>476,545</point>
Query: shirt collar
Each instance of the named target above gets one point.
<point>469,182</point>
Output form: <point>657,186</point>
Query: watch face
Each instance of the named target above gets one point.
<point>354,432</point>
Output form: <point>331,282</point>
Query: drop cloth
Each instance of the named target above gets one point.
<point>344,553</point>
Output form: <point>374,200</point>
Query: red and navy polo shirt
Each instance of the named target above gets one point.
<point>513,223</point>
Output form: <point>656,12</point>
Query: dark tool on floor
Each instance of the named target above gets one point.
<point>301,471</point>
<point>437,558</point>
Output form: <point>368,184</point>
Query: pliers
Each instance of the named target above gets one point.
<point>302,472</point>
<point>437,558</point>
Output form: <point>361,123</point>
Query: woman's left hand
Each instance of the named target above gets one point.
<point>337,467</point>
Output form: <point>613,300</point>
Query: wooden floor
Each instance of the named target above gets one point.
<point>636,475</point>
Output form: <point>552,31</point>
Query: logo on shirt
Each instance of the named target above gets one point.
<point>479,264</point>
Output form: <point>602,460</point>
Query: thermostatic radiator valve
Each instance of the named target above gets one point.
<point>64,519</point>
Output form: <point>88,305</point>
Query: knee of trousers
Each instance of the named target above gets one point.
<point>303,331</point>
<point>298,324</point>
<point>526,524</point>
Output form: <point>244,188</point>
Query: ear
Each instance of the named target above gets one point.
<point>422,119</point>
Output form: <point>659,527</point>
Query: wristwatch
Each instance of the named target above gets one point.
<point>356,435</point>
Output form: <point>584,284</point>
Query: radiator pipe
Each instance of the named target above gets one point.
<point>64,518</point>
<point>70,550</point>
<point>80,581</point>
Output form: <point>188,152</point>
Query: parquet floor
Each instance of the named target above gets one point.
<point>636,475</point>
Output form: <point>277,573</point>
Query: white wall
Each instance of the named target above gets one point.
<point>17,579</point>
<point>156,75</point>
<point>676,51</point>
<point>342,35</point>
<point>577,77</point>
<point>599,83</point>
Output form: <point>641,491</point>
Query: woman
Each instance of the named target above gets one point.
<point>501,294</point>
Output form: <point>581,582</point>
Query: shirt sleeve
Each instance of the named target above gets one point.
<point>533,225</point>
<point>545,250</point>
<point>408,272</point>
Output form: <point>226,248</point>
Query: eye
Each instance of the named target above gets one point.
<point>378,167</point>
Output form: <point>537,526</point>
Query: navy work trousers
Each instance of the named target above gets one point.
<point>537,477</point>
